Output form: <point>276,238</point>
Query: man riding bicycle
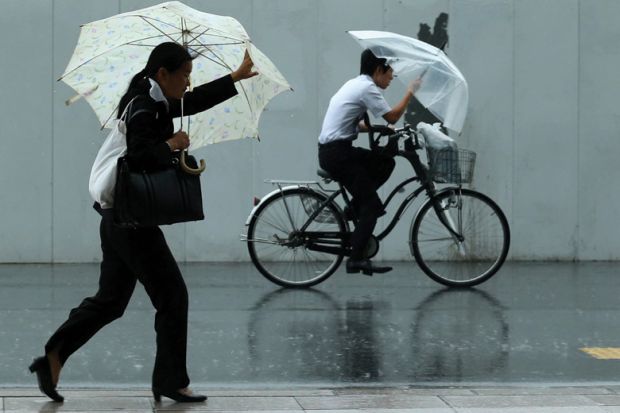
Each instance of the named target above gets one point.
<point>361,171</point>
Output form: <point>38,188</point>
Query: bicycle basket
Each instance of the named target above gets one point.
<point>311,204</point>
<point>451,165</point>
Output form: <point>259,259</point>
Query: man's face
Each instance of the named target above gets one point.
<point>383,79</point>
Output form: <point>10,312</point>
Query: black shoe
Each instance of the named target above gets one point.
<point>178,396</point>
<point>41,366</point>
<point>365,266</point>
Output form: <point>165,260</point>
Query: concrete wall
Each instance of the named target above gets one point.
<point>543,118</point>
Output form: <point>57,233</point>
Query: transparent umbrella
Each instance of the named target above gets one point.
<point>110,51</point>
<point>444,88</point>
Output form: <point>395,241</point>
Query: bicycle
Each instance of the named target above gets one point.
<point>297,235</point>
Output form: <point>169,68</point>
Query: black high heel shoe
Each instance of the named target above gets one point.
<point>41,367</point>
<point>178,396</point>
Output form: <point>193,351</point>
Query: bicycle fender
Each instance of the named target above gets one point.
<point>271,195</point>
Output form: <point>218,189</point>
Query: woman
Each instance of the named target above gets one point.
<point>131,255</point>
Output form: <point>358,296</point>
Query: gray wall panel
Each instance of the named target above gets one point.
<point>599,123</point>
<point>229,165</point>
<point>76,140</point>
<point>404,17</point>
<point>26,108</point>
<point>288,132</point>
<point>483,30</point>
<point>546,123</point>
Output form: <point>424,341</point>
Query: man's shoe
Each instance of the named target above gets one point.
<point>365,266</point>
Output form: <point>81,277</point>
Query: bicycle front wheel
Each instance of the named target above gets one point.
<point>286,256</point>
<point>476,248</point>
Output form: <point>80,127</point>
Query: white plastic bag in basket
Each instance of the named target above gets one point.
<point>434,137</point>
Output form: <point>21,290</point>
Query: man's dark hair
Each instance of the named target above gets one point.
<point>369,63</point>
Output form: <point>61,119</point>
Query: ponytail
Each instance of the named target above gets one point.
<point>137,78</point>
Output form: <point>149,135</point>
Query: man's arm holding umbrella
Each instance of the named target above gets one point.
<point>212,93</point>
<point>398,110</point>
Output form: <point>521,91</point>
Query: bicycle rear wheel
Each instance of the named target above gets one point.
<point>464,262</point>
<point>282,254</point>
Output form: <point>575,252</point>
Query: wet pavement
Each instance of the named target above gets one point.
<point>394,335</point>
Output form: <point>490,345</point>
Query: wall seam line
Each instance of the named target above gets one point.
<point>577,254</point>
<point>514,113</point>
<point>53,142</point>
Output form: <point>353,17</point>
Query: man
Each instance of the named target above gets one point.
<point>360,170</point>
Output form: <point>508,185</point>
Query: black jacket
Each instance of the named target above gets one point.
<point>149,123</point>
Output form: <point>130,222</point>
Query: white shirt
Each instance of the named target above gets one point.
<point>157,94</point>
<point>347,107</point>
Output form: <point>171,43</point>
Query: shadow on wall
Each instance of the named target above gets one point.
<point>417,113</point>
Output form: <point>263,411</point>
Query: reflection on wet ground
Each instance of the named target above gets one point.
<point>525,325</point>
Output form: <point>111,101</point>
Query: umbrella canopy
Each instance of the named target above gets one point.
<point>444,89</point>
<point>110,51</point>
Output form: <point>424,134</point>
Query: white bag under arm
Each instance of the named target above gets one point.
<point>103,173</point>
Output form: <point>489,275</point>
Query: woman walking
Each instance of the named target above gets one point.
<point>141,254</point>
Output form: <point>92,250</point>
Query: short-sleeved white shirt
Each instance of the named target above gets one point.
<point>347,107</point>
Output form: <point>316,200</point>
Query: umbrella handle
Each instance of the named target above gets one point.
<point>192,171</point>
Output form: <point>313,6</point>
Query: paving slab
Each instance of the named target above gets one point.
<point>530,409</point>
<point>370,402</point>
<point>247,403</point>
<point>375,410</point>
<point>76,404</point>
<point>528,391</point>
<point>608,400</point>
<point>516,401</point>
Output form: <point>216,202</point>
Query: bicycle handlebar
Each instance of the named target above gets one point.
<point>407,131</point>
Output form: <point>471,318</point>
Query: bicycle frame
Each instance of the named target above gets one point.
<point>329,242</point>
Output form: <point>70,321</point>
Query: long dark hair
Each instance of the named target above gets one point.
<point>169,55</point>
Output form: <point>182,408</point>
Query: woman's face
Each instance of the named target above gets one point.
<point>174,84</point>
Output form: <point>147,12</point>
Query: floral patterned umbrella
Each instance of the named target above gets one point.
<point>110,51</point>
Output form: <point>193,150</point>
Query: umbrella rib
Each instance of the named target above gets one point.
<point>195,38</point>
<point>222,63</point>
<point>158,29</point>
<point>148,38</point>
<point>247,99</point>
<point>229,68</point>
<point>120,45</point>
<point>216,44</point>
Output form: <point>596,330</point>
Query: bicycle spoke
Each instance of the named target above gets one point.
<point>289,262</point>
<point>480,253</point>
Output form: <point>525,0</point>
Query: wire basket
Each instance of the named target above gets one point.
<point>451,165</point>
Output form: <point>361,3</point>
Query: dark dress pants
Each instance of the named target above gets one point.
<point>131,255</point>
<point>361,172</point>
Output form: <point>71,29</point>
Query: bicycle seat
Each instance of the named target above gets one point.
<point>324,174</point>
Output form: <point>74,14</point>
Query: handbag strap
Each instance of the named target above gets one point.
<point>127,109</point>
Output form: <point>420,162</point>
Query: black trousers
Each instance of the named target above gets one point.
<point>131,255</point>
<point>361,172</point>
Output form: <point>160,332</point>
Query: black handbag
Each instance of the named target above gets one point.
<point>160,197</point>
